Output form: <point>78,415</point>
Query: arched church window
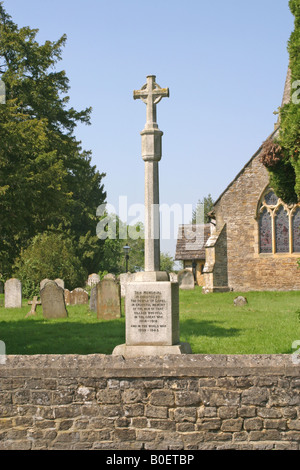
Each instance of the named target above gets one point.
<point>271,198</point>
<point>282,231</point>
<point>278,225</point>
<point>296,230</point>
<point>265,231</point>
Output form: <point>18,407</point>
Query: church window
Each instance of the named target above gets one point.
<point>265,230</point>
<point>271,198</point>
<point>282,231</point>
<point>296,230</point>
<point>278,224</point>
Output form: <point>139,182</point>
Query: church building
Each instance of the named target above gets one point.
<point>255,237</point>
<point>190,248</point>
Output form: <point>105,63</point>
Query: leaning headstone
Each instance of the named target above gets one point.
<point>93,279</point>
<point>125,278</point>
<point>186,279</point>
<point>53,301</point>
<point>60,283</point>
<point>13,293</point>
<point>240,301</point>
<point>34,302</point>
<point>108,299</point>
<point>93,299</point>
<point>79,296</point>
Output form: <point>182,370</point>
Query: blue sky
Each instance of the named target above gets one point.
<point>224,62</point>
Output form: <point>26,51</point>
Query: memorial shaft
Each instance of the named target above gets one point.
<point>151,299</point>
<point>151,94</point>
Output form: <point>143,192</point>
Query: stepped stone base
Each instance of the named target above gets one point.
<point>145,350</point>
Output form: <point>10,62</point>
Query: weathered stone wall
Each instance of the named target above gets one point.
<point>247,268</point>
<point>185,402</point>
<point>216,264</point>
<point>221,261</point>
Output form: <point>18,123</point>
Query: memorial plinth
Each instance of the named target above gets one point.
<point>151,300</point>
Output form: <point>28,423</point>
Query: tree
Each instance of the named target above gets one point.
<point>46,179</point>
<point>166,262</point>
<point>117,234</point>
<point>50,255</point>
<point>285,168</point>
<point>204,206</point>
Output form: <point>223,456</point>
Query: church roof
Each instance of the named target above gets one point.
<point>285,99</point>
<point>191,241</point>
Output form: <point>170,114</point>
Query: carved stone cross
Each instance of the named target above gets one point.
<point>33,304</point>
<point>151,94</point>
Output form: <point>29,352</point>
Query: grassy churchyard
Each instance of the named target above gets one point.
<point>268,324</point>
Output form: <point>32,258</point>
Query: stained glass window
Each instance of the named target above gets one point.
<point>282,231</point>
<point>296,230</point>
<point>271,199</point>
<point>276,220</point>
<point>265,232</point>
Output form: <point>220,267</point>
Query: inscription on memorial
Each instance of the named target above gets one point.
<point>148,311</point>
<point>152,314</point>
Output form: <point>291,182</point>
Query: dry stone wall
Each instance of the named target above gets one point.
<point>187,402</point>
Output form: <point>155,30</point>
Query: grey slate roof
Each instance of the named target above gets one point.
<point>191,241</point>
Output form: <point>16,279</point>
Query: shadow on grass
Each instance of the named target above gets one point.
<point>61,337</point>
<point>206,328</point>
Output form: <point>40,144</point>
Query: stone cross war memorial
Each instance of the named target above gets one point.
<point>151,300</point>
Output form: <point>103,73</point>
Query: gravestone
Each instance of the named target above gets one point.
<point>93,299</point>
<point>79,296</point>
<point>53,301</point>
<point>13,293</point>
<point>34,302</point>
<point>67,295</point>
<point>152,301</point>
<point>125,278</point>
<point>186,279</point>
<point>240,301</point>
<point>110,276</point>
<point>43,282</point>
<point>93,279</point>
<point>60,283</point>
<point>108,299</point>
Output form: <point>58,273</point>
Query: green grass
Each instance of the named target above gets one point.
<point>268,324</point>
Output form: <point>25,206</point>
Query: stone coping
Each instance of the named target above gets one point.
<point>107,366</point>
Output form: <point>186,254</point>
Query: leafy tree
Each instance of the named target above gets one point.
<point>166,262</point>
<point>46,179</point>
<point>50,255</point>
<point>283,160</point>
<point>204,206</point>
<point>117,234</point>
